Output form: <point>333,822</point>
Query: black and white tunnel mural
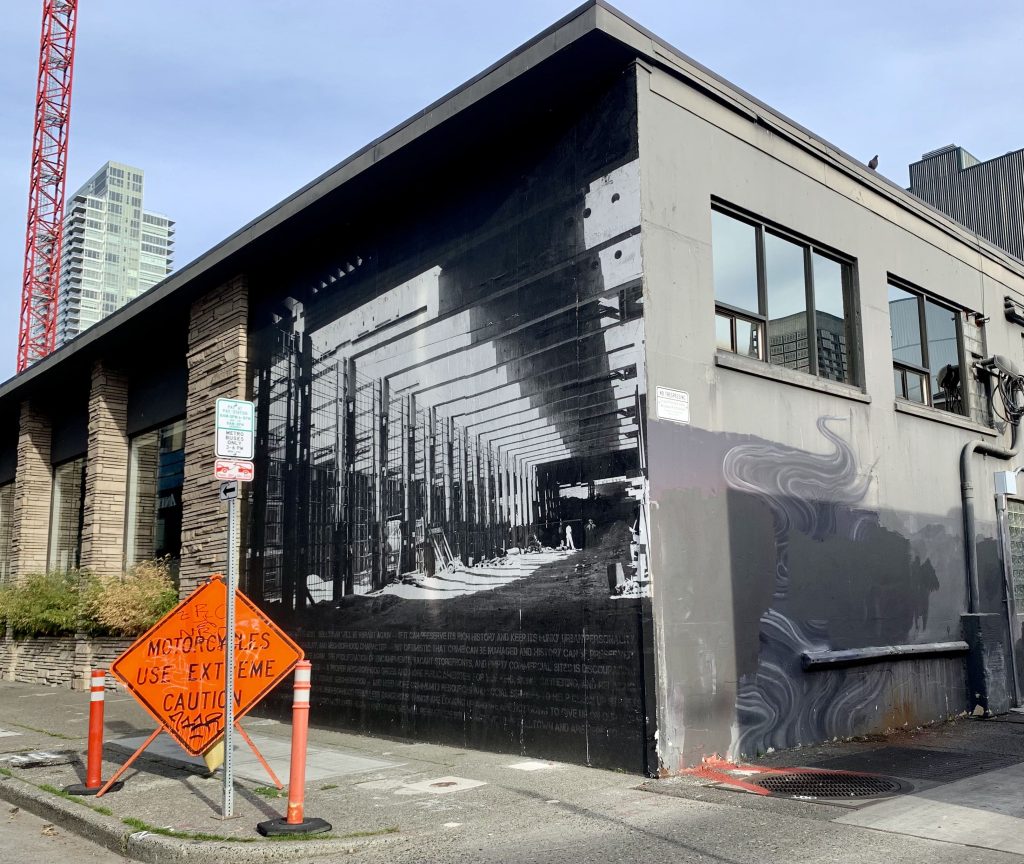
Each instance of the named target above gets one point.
<point>452,510</point>
<point>839,579</point>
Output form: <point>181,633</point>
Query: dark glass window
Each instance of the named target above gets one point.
<point>927,360</point>
<point>155,479</point>
<point>830,317</point>
<point>6,521</point>
<point>787,303</point>
<point>66,516</point>
<point>777,290</point>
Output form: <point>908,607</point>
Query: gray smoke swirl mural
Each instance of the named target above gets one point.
<point>810,493</point>
<point>803,490</point>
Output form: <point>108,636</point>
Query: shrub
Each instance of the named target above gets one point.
<point>128,604</point>
<point>43,604</point>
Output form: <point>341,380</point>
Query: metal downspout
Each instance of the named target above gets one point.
<point>967,500</point>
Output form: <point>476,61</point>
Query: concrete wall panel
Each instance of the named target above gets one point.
<point>794,514</point>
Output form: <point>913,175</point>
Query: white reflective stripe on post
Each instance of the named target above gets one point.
<point>300,693</point>
<point>97,685</point>
<point>96,696</point>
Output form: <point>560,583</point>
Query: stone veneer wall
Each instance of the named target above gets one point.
<point>217,367</point>
<point>59,661</point>
<point>106,472</point>
<point>33,485</point>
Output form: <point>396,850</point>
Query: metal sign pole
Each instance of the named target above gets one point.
<point>234,445</point>
<point>229,492</point>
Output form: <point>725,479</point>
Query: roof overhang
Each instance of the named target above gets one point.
<point>592,40</point>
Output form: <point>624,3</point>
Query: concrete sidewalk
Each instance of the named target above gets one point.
<point>415,802</point>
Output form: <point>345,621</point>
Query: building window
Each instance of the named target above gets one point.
<point>927,358</point>
<point>156,475</point>
<point>6,521</point>
<point>66,516</point>
<point>781,298</point>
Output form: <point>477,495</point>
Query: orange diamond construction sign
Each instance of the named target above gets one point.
<point>176,669</point>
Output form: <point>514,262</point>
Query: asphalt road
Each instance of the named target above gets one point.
<point>27,839</point>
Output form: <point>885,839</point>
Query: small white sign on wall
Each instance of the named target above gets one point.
<point>673,405</point>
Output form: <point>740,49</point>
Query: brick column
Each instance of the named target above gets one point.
<point>33,487</point>
<point>106,471</point>
<point>217,367</point>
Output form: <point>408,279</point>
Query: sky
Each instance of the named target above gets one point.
<point>229,106</point>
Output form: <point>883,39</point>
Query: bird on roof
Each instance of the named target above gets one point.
<point>873,164</point>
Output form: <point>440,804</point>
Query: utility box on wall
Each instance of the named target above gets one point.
<point>1006,482</point>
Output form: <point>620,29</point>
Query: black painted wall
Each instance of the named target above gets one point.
<point>459,372</point>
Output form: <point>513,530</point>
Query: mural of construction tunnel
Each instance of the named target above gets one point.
<point>452,506</point>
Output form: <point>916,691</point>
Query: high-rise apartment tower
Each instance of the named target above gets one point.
<point>113,249</point>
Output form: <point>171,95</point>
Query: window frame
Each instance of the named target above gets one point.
<point>925,371</point>
<point>761,317</point>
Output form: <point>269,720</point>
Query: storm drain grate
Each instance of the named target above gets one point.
<point>828,784</point>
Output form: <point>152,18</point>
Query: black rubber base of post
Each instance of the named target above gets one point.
<point>82,789</point>
<point>280,827</point>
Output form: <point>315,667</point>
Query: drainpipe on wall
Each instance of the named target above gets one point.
<point>985,633</point>
<point>967,499</point>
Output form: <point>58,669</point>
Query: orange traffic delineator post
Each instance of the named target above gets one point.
<point>94,761</point>
<point>295,822</point>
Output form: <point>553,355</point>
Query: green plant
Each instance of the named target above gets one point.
<point>53,790</point>
<point>43,604</point>
<point>45,732</point>
<point>128,604</point>
<point>140,825</point>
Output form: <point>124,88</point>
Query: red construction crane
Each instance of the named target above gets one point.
<point>38,322</point>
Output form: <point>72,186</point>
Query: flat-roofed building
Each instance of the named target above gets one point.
<point>602,414</point>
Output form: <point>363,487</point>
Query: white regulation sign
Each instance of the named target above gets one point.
<point>673,405</point>
<point>236,429</point>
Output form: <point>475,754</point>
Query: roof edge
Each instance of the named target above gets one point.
<point>593,15</point>
<point>553,39</point>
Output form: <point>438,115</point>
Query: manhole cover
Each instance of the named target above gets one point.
<point>828,784</point>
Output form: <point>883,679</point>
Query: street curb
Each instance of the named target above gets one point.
<point>110,833</point>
